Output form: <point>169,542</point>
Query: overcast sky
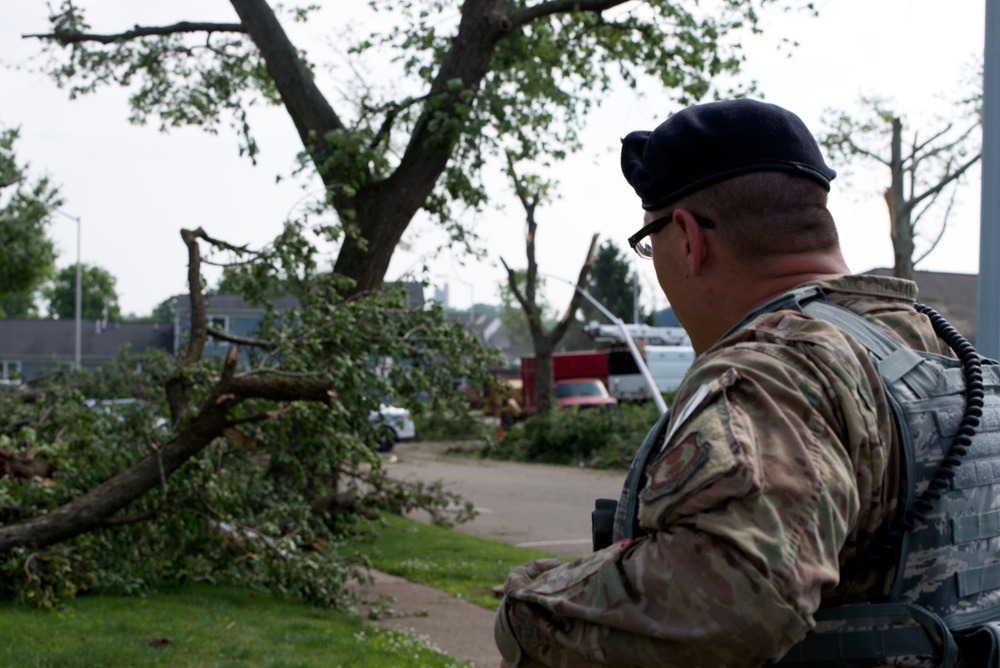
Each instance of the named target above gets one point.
<point>133,188</point>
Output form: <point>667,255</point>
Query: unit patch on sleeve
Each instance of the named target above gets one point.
<point>675,467</point>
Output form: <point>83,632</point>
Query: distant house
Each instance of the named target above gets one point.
<point>665,318</point>
<point>952,295</point>
<point>496,334</point>
<point>32,347</point>
<point>232,314</point>
<point>225,312</point>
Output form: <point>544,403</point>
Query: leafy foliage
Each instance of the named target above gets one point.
<point>26,253</point>
<point>613,283</point>
<point>466,83</point>
<point>98,298</point>
<point>182,82</point>
<point>272,501</point>
<point>595,438</point>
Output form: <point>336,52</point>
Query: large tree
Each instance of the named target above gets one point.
<point>614,284</point>
<point>924,169</point>
<point>26,252</point>
<point>474,78</point>
<point>98,296</point>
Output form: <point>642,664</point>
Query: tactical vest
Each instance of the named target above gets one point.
<point>944,606</point>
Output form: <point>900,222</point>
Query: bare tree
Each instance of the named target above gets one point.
<point>529,191</point>
<point>920,175</point>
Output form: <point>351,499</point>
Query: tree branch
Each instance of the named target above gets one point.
<point>560,329</point>
<point>945,181</point>
<point>944,226</point>
<point>199,322</point>
<point>240,340</point>
<point>66,37</point>
<point>148,515</point>
<point>310,111</point>
<point>543,9</point>
<point>853,148</point>
<point>279,389</point>
<point>90,510</point>
<point>512,281</point>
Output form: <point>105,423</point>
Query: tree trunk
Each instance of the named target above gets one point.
<point>901,229</point>
<point>544,378</point>
<point>384,209</point>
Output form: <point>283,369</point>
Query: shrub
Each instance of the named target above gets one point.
<point>595,438</point>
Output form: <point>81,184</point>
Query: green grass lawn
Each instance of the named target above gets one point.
<point>202,625</point>
<point>211,626</point>
<point>465,566</point>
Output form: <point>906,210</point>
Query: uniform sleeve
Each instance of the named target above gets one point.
<point>747,506</point>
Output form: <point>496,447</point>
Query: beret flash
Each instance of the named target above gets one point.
<point>707,143</point>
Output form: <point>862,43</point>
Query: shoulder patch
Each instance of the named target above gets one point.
<point>675,467</point>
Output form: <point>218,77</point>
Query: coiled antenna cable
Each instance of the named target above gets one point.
<point>882,548</point>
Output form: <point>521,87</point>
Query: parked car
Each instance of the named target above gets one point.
<point>394,424</point>
<point>584,393</point>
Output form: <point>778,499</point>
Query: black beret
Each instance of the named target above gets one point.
<point>707,143</point>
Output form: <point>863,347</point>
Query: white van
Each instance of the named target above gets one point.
<point>668,364</point>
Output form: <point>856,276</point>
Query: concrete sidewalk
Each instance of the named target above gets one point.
<point>461,629</point>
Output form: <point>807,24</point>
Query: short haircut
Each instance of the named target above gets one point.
<point>766,214</point>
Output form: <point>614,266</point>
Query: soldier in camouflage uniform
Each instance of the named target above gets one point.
<point>780,459</point>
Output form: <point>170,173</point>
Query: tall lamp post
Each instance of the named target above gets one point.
<point>78,309</point>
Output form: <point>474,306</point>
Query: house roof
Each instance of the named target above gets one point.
<point>33,339</point>
<point>952,295</point>
<point>229,303</point>
<point>235,304</point>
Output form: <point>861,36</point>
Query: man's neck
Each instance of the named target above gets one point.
<point>747,289</point>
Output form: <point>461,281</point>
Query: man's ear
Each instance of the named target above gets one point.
<point>695,242</point>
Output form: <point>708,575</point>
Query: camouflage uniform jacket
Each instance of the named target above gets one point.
<point>780,463</point>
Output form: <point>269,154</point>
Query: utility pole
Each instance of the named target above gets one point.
<point>988,307</point>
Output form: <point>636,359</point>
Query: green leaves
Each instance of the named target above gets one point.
<point>273,503</point>
<point>437,92</point>
<point>26,253</point>
<point>182,78</point>
<point>99,299</point>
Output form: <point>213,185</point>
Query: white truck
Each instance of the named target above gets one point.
<point>667,365</point>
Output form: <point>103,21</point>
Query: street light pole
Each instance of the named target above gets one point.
<point>472,299</point>
<point>78,309</point>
